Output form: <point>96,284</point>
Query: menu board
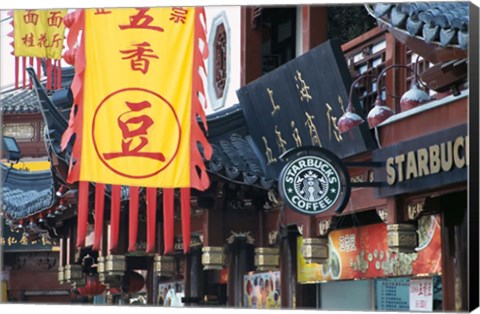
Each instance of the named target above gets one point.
<point>392,294</point>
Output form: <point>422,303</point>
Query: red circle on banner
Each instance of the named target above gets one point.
<point>136,126</point>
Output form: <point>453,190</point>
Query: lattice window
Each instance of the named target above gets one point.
<point>368,58</point>
<point>220,62</point>
<point>422,65</point>
<point>22,132</point>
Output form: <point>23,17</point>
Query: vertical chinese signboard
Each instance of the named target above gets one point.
<point>299,104</point>
<point>136,95</point>
<point>39,34</point>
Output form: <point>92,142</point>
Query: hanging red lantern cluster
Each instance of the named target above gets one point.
<point>69,54</point>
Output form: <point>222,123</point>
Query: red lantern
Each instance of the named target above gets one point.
<point>69,56</point>
<point>69,19</point>
<point>134,282</point>
<point>92,286</point>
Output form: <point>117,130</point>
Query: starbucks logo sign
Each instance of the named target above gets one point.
<point>313,184</point>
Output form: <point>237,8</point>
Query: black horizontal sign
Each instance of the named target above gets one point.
<point>427,162</point>
<point>299,104</point>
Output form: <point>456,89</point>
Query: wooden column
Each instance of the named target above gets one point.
<point>314,26</point>
<point>240,262</point>
<point>213,220</point>
<point>71,241</point>
<point>394,78</point>
<point>251,45</point>
<point>288,266</point>
<point>150,282</point>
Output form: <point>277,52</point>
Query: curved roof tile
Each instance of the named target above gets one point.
<point>442,23</point>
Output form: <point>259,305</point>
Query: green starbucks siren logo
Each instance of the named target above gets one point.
<point>310,184</point>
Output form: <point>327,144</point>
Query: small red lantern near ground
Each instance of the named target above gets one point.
<point>92,287</point>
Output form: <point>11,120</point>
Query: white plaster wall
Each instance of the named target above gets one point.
<point>232,14</point>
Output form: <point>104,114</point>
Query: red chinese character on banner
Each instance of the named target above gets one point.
<point>55,19</point>
<point>178,15</point>
<point>28,40</point>
<point>134,129</point>
<point>57,41</point>
<point>42,40</point>
<point>139,57</point>
<point>141,20</point>
<point>30,17</point>
<point>102,11</point>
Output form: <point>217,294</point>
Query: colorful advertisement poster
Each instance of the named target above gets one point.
<point>362,253</point>
<point>262,290</point>
<point>421,294</point>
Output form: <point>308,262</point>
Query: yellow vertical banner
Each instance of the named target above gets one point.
<point>137,90</point>
<point>39,33</point>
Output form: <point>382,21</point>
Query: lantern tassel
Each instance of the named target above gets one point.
<point>17,69</point>
<point>168,199</point>
<point>30,63</point>
<point>151,218</point>
<point>133,219</point>
<point>185,208</point>
<point>59,74</point>
<point>49,74</point>
<point>24,71</point>
<point>114,217</point>
<point>99,211</point>
<point>39,68</point>
<point>82,220</point>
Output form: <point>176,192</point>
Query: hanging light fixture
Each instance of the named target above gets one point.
<point>380,111</point>
<point>414,96</point>
<point>350,118</point>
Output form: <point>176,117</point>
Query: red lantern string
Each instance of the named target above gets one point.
<point>82,220</point>
<point>99,210</point>
<point>168,219</point>
<point>115,217</point>
<point>151,219</point>
<point>133,219</point>
<point>185,208</point>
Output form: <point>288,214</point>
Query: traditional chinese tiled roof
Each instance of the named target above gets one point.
<point>442,23</point>
<point>235,156</point>
<point>26,193</point>
<point>23,101</point>
<point>19,101</point>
